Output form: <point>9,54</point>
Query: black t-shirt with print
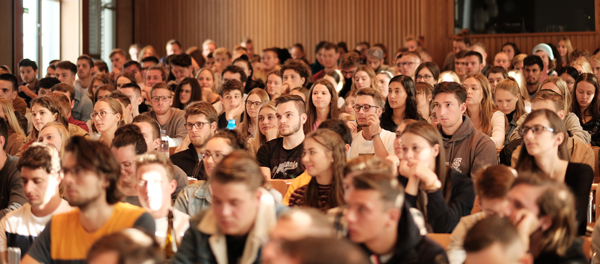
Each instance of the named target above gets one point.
<point>284,163</point>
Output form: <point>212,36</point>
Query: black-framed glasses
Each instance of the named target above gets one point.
<point>424,77</point>
<point>197,125</point>
<point>364,107</point>
<point>536,129</point>
<point>215,156</point>
<point>102,114</point>
<point>255,103</point>
<point>161,98</point>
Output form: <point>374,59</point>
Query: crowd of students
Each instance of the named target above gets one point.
<point>376,156</point>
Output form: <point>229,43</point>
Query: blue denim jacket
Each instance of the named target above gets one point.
<point>193,198</point>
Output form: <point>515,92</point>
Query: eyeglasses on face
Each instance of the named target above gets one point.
<point>536,129</point>
<point>161,98</point>
<point>254,104</point>
<point>197,125</point>
<point>102,114</point>
<point>424,77</point>
<point>215,156</point>
<point>365,107</point>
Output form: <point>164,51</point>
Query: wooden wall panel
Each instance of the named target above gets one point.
<point>282,23</point>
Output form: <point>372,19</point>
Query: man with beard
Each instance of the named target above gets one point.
<point>281,158</point>
<point>170,119</point>
<point>348,64</point>
<point>532,71</point>
<point>201,124</point>
<point>90,180</point>
<point>84,72</point>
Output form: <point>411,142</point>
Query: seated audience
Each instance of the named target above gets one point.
<point>427,72</point>
<point>495,75</point>
<point>424,91</point>
<point>586,105</point>
<point>98,211</point>
<point>383,78</point>
<point>188,91</point>
<point>495,240</point>
<point>510,102</point>
<point>236,189</point>
<point>170,119</point>
<point>502,60</point>
<point>232,93</point>
<point>127,246</point>
<point>82,105</point>
<point>42,175</point>
<point>255,100</point>
<point>468,150</point>
<point>450,194</point>
<point>267,127</point>
<point>125,105</point>
<point>569,75</point>
<point>67,103</point>
<point>281,158</point>
<point>206,79</point>
<point>28,70</point>
<point>54,134</point>
<point>107,117</point>
<point>12,195</point>
<point>482,111</point>
<point>364,77</point>
<point>274,83</point>
<point>544,150</point>
<point>321,105</point>
<point>401,103</point>
<point>8,86</point>
<point>16,135</point>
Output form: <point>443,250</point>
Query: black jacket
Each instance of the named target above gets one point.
<point>411,246</point>
<point>444,216</point>
<point>189,162</point>
<point>574,255</point>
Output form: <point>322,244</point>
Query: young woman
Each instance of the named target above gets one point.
<point>424,93</point>
<point>321,105</point>
<point>441,193</point>
<point>255,100</point>
<point>427,72</point>
<point>582,66</point>
<point>274,82</point>
<point>187,92</point>
<point>383,78</point>
<point>148,51</point>
<point>595,64</point>
<point>401,103</point>
<point>509,101</point>
<point>556,84</point>
<point>124,78</point>
<point>324,158</point>
<point>97,81</point>
<point>267,126</point>
<point>103,91</point>
<point>569,75</point>
<point>481,109</point>
<point>544,150</point>
<point>511,50</point>
<point>520,79</point>
<point>364,77</point>
<point>517,62</point>
<point>54,134</point>
<point>16,135</point>
<point>206,79</point>
<point>564,50</point>
<point>586,105</point>
<point>107,117</point>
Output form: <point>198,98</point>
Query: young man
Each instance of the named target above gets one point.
<point>170,119</point>
<point>156,184</point>
<point>348,64</point>
<point>372,140</point>
<point>480,48</point>
<point>233,72</point>
<point>68,91</point>
<point>460,65</point>
<point>375,60</point>
<point>201,124</point>
<point>146,63</point>
<point>492,186</point>
<point>281,158</point>
<point>134,68</point>
<point>247,43</point>
<point>154,75</point>
<point>495,240</point>
<point>208,46</point>
<point>28,70</point>
<point>362,47</point>
<point>117,57</point>
<point>12,196</point>
<point>242,215</point>
<point>41,174</point>
<point>84,72</point>
<point>232,92</point>
<point>294,73</point>
<point>329,60</point>
<point>46,85</point>
<point>173,47</point>
<point>150,130</point>
<point>90,180</point>
<point>8,91</point>
<point>222,57</point>
<point>99,67</point>
<point>134,93</point>
<point>181,67</point>
<point>474,62</point>
<point>407,64</point>
<point>468,150</point>
<point>317,66</point>
<point>543,212</point>
<point>129,142</point>
<point>82,106</point>
<point>380,222</point>
<point>532,72</point>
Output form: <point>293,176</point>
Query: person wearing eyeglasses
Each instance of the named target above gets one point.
<point>255,100</point>
<point>170,119</point>
<point>407,64</point>
<point>427,72</point>
<point>107,117</point>
<point>196,197</point>
<point>372,140</point>
<point>201,124</point>
<point>545,150</point>
<point>467,149</point>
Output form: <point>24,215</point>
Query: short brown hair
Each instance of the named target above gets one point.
<point>494,181</point>
<point>155,157</point>
<point>160,85</point>
<point>65,88</point>
<point>369,91</point>
<point>40,156</point>
<point>163,71</point>
<point>550,95</point>
<point>88,59</point>
<point>153,123</point>
<point>453,88</point>
<point>350,60</point>
<point>490,230</point>
<point>390,191</point>
<point>232,85</point>
<point>117,51</point>
<point>121,97</point>
<point>63,100</point>
<point>202,108</point>
<point>296,99</point>
<point>297,66</point>
<point>239,167</point>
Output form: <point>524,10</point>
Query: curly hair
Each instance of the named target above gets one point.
<point>299,67</point>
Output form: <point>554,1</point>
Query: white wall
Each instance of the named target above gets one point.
<point>70,24</point>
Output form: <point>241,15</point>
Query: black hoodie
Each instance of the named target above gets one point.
<point>411,246</point>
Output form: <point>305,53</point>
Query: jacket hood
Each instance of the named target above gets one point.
<point>464,131</point>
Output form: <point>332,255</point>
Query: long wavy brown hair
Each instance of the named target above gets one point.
<point>487,106</point>
<point>311,110</point>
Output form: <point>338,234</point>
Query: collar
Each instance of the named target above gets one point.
<point>204,192</point>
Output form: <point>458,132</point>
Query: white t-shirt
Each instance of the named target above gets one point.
<point>20,227</point>
<point>77,86</point>
<point>181,223</point>
<point>361,146</point>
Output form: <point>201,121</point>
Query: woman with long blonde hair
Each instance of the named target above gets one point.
<point>509,101</point>
<point>16,135</point>
<point>55,134</point>
<point>564,48</point>
<point>482,110</point>
<point>107,117</point>
<point>255,100</point>
<point>364,77</point>
<point>267,128</point>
